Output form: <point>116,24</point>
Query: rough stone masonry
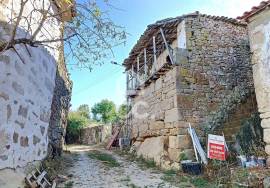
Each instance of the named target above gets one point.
<point>217,63</point>
<point>259,32</point>
<point>60,108</point>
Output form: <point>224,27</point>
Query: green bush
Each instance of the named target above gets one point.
<point>76,122</point>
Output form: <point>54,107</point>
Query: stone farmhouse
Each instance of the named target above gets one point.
<point>259,33</point>
<point>35,90</point>
<point>193,69</point>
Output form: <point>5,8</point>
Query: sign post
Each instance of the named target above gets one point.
<point>216,147</point>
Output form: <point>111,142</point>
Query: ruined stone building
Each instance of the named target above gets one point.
<point>188,70</point>
<point>34,88</point>
<point>259,33</point>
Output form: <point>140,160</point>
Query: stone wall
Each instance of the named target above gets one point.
<point>218,62</point>
<point>26,92</point>
<point>27,82</point>
<point>259,33</point>
<point>60,108</point>
<point>219,69</point>
<point>96,134</point>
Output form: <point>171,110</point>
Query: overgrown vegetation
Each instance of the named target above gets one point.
<point>200,182</point>
<point>174,177</point>
<point>103,112</point>
<point>69,184</point>
<point>140,160</point>
<point>146,163</point>
<point>76,122</point>
<point>250,137</point>
<point>169,175</point>
<point>221,115</point>
<point>179,179</point>
<point>105,158</point>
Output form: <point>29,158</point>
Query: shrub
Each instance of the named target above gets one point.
<point>76,122</point>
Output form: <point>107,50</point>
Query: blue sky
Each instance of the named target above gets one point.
<point>108,81</point>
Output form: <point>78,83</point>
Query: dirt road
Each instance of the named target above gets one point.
<point>92,173</point>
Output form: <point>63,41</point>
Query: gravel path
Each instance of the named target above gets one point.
<point>90,173</point>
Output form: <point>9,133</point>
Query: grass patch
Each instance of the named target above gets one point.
<point>170,172</point>
<point>147,163</point>
<point>169,176</point>
<point>105,158</point>
<point>173,177</point>
<point>132,185</point>
<point>142,162</point>
<point>178,180</point>
<point>69,184</point>
<point>126,179</point>
<point>200,182</point>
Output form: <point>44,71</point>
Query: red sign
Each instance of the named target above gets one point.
<point>217,151</point>
<point>216,147</point>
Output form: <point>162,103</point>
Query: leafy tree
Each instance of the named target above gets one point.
<point>84,110</point>
<point>76,122</point>
<point>105,109</point>
<point>121,114</point>
<point>122,111</point>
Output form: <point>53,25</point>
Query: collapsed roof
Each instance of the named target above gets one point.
<point>169,27</point>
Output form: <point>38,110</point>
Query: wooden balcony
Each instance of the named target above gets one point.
<point>143,77</point>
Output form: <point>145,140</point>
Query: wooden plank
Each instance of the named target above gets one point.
<point>115,135</point>
<point>30,180</point>
<point>41,176</point>
<point>54,185</point>
<point>138,64</point>
<point>34,174</point>
<point>167,46</point>
<point>43,184</point>
<point>145,62</point>
<point>154,52</point>
<point>127,80</point>
<point>132,77</point>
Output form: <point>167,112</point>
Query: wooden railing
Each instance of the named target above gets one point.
<point>141,73</point>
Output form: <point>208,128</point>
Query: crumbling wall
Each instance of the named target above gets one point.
<point>259,32</point>
<point>96,134</point>
<point>218,62</point>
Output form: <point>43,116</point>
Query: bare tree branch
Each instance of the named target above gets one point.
<point>89,38</point>
<point>44,17</point>
<point>19,17</point>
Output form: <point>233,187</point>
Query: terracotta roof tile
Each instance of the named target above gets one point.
<point>254,10</point>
